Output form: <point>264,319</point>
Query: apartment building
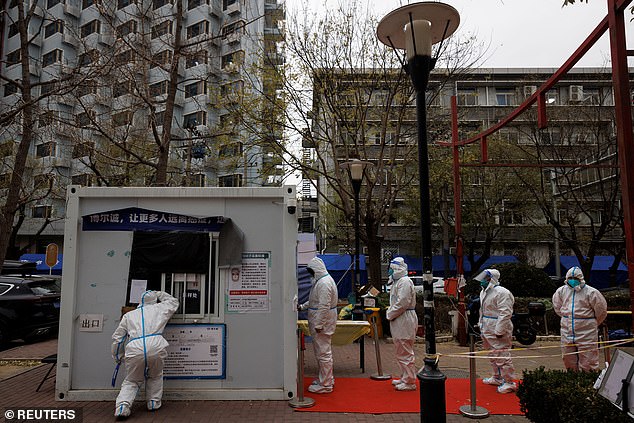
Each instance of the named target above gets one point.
<point>573,160</point>
<point>107,74</point>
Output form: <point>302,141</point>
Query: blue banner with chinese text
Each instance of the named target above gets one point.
<point>137,219</point>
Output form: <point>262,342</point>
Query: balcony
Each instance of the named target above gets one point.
<point>71,10</point>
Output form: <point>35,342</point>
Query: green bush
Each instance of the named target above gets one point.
<point>521,279</point>
<point>557,396</point>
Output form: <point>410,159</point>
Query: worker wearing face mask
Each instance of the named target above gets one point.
<point>322,321</point>
<point>403,323</point>
<point>496,329</point>
<point>582,309</point>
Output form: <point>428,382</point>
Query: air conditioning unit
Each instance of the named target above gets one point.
<point>529,90</point>
<point>575,93</point>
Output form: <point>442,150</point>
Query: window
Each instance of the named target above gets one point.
<point>235,27</point>
<point>159,88</point>
<point>234,180</point>
<point>84,179</point>
<point>47,118</point>
<point>53,28</point>
<point>551,136</point>
<point>13,58</point>
<point>198,180</point>
<point>85,4</point>
<point>124,3</point>
<point>54,56</point>
<point>234,58</point>
<point>48,87</point>
<point>159,3</point>
<point>226,3</point>
<point>197,29</point>
<point>192,4</point>
<point>467,97</point>
<point>88,87</point>
<point>157,119</point>
<point>592,96</point>
<point>195,89</point>
<point>46,149</point>
<point>85,119</point>
<point>5,181</point>
<point>162,58</point>
<point>82,150</point>
<point>10,88</point>
<point>43,181</point>
<point>7,148</point>
<point>41,212</point>
<point>124,57</point>
<point>198,58</point>
<point>91,27</point>
<point>230,150</point>
<point>123,118</point>
<point>122,89</point>
<point>13,29</point>
<point>162,29</point>
<point>52,3</point>
<point>505,96</point>
<point>189,277</point>
<point>552,97</point>
<point>126,28</point>
<point>88,57</point>
<point>194,119</point>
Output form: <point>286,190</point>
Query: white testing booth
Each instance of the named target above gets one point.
<point>228,255</point>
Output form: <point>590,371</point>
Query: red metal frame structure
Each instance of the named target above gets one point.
<point>615,23</point>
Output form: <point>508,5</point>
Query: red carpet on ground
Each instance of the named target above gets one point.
<point>364,395</point>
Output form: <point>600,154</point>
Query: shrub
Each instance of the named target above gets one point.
<point>557,396</point>
<point>521,279</point>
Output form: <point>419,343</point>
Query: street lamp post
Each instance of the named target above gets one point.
<point>356,168</point>
<point>414,28</point>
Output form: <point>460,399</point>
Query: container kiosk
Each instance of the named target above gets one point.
<point>228,255</point>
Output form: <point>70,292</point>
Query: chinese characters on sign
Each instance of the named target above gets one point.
<point>91,322</point>
<point>134,218</point>
<point>249,284</point>
<point>195,351</point>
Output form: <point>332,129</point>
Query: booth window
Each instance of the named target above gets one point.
<point>183,264</point>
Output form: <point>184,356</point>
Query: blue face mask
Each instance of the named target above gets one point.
<point>574,282</point>
<point>484,283</point>
<point>390,271</point>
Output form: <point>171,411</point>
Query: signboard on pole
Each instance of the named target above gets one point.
<point>51,256</point>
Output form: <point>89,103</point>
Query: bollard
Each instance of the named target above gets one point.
<point>379,375</point>
<point>473,411</point>
<point>299,401</point>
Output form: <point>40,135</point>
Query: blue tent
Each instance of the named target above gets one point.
<point>340,267</point>
<point>41,267</point>
<point>599,274</point>
<point>438,264</point>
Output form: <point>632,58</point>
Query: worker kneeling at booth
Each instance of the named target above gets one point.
<point>138,341</point>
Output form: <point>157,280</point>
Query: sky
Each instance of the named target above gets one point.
<point>523,33</point>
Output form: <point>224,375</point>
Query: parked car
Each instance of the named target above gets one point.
<point>29,307</point>
<point>439,284</point>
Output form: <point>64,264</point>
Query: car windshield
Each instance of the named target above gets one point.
<point>45,287</point>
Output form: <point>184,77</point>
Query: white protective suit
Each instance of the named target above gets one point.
<point>138,340</point>
<point>322,321</point>
<point>582,309</point>
<point>496,328</point>
<point>403,322</point>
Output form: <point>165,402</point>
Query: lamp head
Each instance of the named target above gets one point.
<point>417,26</point>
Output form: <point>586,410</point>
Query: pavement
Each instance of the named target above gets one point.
<point>21,372</point>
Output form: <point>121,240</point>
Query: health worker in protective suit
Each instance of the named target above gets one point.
<point>582,309</point>
<point>139,343</point>
<point>496,329</point>
<point>403,323</point>
<point>322,321</point>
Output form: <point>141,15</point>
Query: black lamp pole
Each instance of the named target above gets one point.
<point>356,186</point>
<point>414,28</point>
